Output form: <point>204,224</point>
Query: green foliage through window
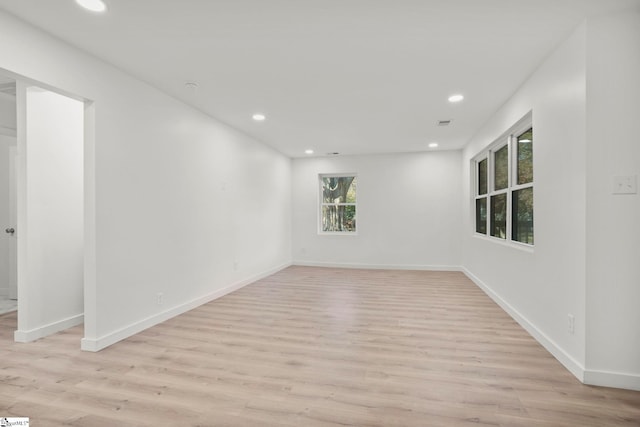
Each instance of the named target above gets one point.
<point>481,215</point>
<point>525,157</point>
<point>522,206</point>
<point>483,176</point>
<point>338,204</point>
<point>504,197</point>
<point>501,168</point>
<point>499,215</point>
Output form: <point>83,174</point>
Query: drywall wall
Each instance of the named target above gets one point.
<point>179,207</point>
<point>542,286</point>
<point>50,216</point>
<point>613,221</point>
<point>585,101</point>
<point>408,210</point>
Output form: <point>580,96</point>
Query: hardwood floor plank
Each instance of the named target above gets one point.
<point>312,347</point>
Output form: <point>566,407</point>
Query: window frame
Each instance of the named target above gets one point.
<point>510,140</point>
<point>322,204</point>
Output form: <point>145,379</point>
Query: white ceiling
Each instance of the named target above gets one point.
<point>348,76</point>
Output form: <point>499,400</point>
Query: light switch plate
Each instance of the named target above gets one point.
<point>625,184</point>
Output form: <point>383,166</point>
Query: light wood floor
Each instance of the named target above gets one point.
<point>312,347</point>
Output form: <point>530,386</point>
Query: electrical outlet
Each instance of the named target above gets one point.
<point>627,184</point>
<point>571,324</point>
<point>160,298</point>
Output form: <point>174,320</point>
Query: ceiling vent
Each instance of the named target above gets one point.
<point>444,122</point>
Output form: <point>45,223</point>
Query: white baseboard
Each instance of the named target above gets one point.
<point>563,357</point>
<point>46,330</point>
<point>378,266</point>
<point>98,344</point>
<point>591,377</point>
<point>612,379</point>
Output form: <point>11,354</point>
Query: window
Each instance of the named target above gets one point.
<point>504,186</point>
<point>482,177</point>
<point>338,203</point>
<point>501,168</point>
<point>522,199</point>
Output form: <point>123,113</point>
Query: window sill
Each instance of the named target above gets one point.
<point>337,233</point>
<point>515,245</point>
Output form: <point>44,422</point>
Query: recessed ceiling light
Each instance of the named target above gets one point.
<point>191,85</point>
<point>433,145</point>
<point>93,5</point>
<point>456,98</point>
<point>308,151</point>
<point>258,117</point>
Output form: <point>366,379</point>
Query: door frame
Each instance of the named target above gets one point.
<point>90,298</point>
<point>13,246</point>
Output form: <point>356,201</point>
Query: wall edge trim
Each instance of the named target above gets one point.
<point>378,266</point>
<point>612,379</point>
<point>550,345</point>
<point>94,345</point>
<point>49,329</point>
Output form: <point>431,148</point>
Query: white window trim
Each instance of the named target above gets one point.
<point>321,204</point>
<point>508,138</point>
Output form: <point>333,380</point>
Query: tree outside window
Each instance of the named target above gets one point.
<point>504,186</point>
<point>338,203</point>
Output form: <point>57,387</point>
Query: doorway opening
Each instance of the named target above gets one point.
<point>45,199</point>
<point>8,265</point>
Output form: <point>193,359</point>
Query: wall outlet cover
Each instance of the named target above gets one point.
<point>625,184</point>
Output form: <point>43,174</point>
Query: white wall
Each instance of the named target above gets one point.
<point>585,100</point>
<point>50,217</point>
<point>541,287</point>
<point>408,210</point>
<point>613,221</point>
<point>178,196</point>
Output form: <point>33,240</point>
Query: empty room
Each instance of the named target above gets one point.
<point>319,213</point>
